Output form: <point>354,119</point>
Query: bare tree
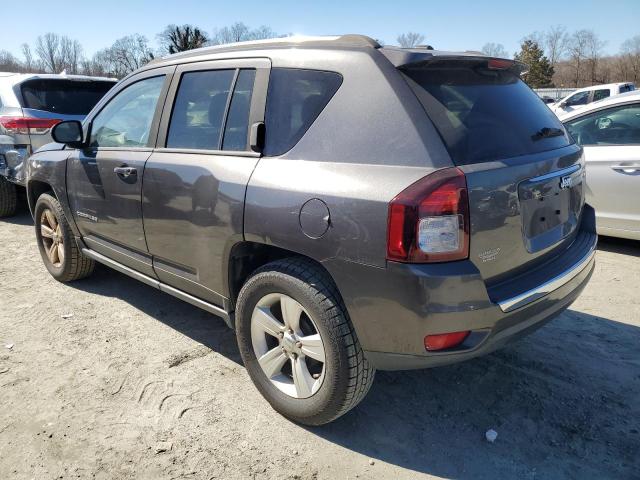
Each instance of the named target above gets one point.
<point>238,32</point>
<point>410,39</point>
<point>48,51</point>
<point>123,57</point>
<point>494,50</point>
<point>9,63</point>
<point>176,38</point>
<point>629,59</point>
<point>263,32</point>
<point>29,63</point>
<point>70,54</point>
<point>556,40</point>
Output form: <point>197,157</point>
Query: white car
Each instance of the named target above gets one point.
<point>609,131</point>
<point>584,96</point>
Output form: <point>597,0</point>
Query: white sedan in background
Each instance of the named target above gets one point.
<point>609,131</point>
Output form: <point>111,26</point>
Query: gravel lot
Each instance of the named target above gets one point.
<point>108,378</point>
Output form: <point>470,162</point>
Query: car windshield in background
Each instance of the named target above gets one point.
<point>67,97</point>
<point>484,115</point>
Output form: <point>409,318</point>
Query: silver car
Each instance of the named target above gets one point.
<point>30,105</point>
<point>609,131</point>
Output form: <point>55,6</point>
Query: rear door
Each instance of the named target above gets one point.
<point>523,173</point>
<point>611,140</point>
<point>196,178</point>
<point>105,179</point>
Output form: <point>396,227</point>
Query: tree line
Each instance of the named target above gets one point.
<point>53,53</point>
<point>555,57</point>
<point>558,58</point>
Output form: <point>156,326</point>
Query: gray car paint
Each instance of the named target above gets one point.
<point>371,141</point>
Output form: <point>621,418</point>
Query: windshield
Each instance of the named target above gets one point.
<point>485,115</point>
<point>66,97</point>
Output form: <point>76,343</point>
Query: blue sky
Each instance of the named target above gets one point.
<point>450,25</point>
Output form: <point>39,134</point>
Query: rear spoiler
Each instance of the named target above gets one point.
<point>403,58</point>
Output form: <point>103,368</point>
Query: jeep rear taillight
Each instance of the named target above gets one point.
<point>27,125</point>
<point>429,221</point>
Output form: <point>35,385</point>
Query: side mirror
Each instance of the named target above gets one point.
<point>69,132</point>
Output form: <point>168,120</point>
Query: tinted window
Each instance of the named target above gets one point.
<point>237,125</point>
<point>67,97</point>
<point>126,120</point>
<point>198,111</point>
<point>484,115</point>
<point>294,100</point>
<point>613,126</point>
<point>627,88</point>
<point>581,98</point>
<point>600,94</point>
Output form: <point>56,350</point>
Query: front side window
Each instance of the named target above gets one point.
<point>126,120</point>
<point>581,98</point>
<point>613,126</point>
<point>294,100</point>
<point>600,94</point>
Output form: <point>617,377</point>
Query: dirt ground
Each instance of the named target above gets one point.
<point>110,379</point>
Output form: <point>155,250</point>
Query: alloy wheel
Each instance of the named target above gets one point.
<point>52,238</point>
<point>288,346</point>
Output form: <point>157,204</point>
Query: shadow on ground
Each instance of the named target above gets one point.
<point>619,245</point>
<point>564,401</point>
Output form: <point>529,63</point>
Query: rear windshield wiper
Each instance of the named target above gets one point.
<point>547,132</point>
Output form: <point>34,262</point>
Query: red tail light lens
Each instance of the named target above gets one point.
<point>429,221</point>
<point>27,125</point>
<point>499,64</point>
<point>444,340</point>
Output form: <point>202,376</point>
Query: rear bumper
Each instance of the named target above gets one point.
<point>393,309</point>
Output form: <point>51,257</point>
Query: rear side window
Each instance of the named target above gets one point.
<point>600,94</point>
<point>294,100</point>
<point>199,108</point>
<point>484,115</point>
<point>237,124</point>
<point>66,97</point>
<point>627,88</point>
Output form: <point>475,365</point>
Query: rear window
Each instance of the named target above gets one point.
<point>294,100</point>
<point>484,115</point>
<point>66,97</point>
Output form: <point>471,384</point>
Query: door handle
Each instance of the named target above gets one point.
<point>125,172</point>
<point>626,168</point>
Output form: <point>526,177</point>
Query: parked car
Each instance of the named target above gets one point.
<point>346,207</point>
<point>30,104</point>
<point>609,131</point>
<point>585,96</point>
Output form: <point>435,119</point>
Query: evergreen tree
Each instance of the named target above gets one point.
<point>540,71</point>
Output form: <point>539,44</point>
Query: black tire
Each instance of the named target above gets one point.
<point>348,375</point>
<point>8,198</point>
<point>75,265</point>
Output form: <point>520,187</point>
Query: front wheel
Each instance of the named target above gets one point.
<point>298,344</point>
<point>58,248</point>
<point>8,198</point>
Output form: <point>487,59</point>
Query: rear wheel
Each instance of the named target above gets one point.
<point>8,198</point>
<point>298,344</point>
<point>58,248</point>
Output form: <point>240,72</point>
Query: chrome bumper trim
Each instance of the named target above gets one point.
<point>549,286</point>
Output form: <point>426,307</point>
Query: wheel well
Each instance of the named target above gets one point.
<point>37,188</point>
<point>247,257</point>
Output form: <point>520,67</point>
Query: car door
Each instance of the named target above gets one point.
<point>611,140</point>
<point>105,178</point>
<point>196,178</point>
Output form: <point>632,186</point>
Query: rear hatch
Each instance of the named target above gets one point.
<point>58,99</point>
<point>524,174</point>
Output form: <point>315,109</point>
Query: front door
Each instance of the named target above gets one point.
<point>196,178</point>
<point>105,178</point>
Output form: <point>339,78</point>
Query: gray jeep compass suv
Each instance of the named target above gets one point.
<point>345,207</point>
